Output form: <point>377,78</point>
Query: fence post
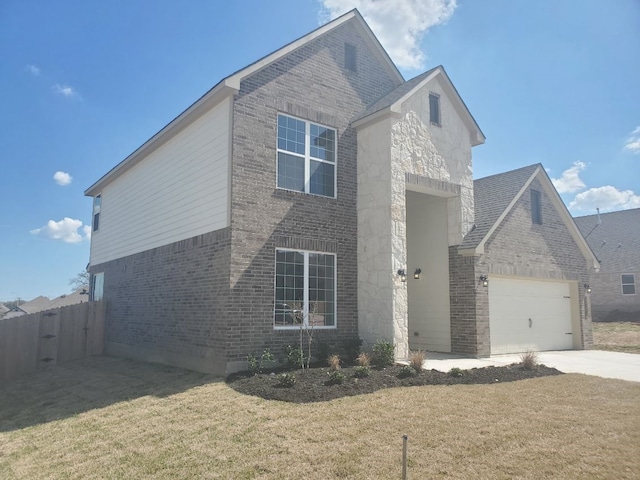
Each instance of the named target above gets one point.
<point>404,457</point>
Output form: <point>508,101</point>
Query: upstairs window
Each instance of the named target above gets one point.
<point>306,157</point>
<point>628,284</point>
<point>305,289</point>
<point>536,207</point>
<point>434,109</point>
<point>350,57</point>
<point>97,201</point>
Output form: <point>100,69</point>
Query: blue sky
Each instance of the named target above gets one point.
<point>85,83</point>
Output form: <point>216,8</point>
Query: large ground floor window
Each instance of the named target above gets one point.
<point>305,289</point>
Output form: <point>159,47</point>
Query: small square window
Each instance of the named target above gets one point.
<point>434,109</point>
<point>536,207</point>
<point>628,284</point>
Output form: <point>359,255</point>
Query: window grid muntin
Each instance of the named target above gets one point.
<point>315,271</point>
<point>628,284</point>
<point>318,153</point>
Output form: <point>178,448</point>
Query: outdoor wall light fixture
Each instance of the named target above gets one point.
<point>587,288</point>
<point>416,274</point>
<point>485,280</point>
<point>403,275</point>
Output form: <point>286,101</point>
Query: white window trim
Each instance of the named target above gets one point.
<point>635,286</point>
<point>307,157</point>
<point>96,210</point>
<point>97,280</point>
<point>305,312</point>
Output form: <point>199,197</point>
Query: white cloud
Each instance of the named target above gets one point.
<point>62,178</point>
<point>33,70</point>
<point>570,180</point>
<point>65,230</point>
<point>633,142</point>
<point>398,24</point>
<point>606,198</point>
<point>65,90</point>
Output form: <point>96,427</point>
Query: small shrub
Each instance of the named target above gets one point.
<point>407,371</point>
<point>416,360</point>
<point>294,357</point>
<point>383,354</point>
<point>351,348</point>
<point>336,377</point>
<point>529,360</point>
<point>287,379</point>
<point>256,365</point>
<point>334,362</point>
<point>363,360</point>
<point>456,372</point>
<point>361,371</point>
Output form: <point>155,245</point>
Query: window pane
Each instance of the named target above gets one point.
<point>321,296</point>
<point>629,289</point>
<point>290,172</point>
<point>323,143</point>
<point>322,179</point>
<point>291,134</point>
<point>434,109</point>
<point>628,279</point>
<point>289,290</point>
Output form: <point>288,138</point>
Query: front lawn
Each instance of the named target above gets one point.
<point>617,336</point>
<point>113,418</point>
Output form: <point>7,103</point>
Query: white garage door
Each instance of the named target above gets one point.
<point>529,315</point>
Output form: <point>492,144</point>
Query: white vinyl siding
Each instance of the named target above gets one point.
<point>177,192</point>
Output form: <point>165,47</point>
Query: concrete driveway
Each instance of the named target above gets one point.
<point>623,366</point>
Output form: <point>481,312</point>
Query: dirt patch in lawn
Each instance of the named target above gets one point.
<point>313,384</point>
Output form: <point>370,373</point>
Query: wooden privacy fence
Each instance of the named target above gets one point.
<point>32,342</point>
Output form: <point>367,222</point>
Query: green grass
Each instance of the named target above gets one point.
<point>617,336</point>
<point>118,419</point>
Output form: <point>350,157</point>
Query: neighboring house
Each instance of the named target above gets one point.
<point>3,309</point>
<point>80,295</point>
<point>318,180</point>
<point>36,305</point>
<point>614,237</point>
<point>42,303</point>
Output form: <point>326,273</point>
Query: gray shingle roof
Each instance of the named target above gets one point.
<point>492,195</point>
<point>615,241</point>
<point>393,96</point>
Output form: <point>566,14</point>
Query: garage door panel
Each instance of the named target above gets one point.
<point>529,315</point>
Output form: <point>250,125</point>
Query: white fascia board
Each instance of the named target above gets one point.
<point>374,118</point>
<point>574,231</point>
<point>235,79</point>
<point>480,248</point>
<point>477,137</point>
<point>208,101</point>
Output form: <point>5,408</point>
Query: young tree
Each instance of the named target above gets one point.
<point>80,280</point>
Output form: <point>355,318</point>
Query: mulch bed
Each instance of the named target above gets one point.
<point>311,384</point>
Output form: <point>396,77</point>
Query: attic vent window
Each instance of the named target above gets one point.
<point>350,57</point>
<point>536,207</point>
<point>434,109</point>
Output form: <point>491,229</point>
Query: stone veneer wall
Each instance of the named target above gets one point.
<point>311,83</point>
<point>168,304</point>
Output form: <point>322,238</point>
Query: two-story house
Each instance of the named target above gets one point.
<point>318,180</point>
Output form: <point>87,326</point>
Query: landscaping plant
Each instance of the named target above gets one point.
<point>416,360</point>
<point>529,360</point>
<point>383,354</point>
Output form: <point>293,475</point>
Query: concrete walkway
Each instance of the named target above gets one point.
<point>623,366</point>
